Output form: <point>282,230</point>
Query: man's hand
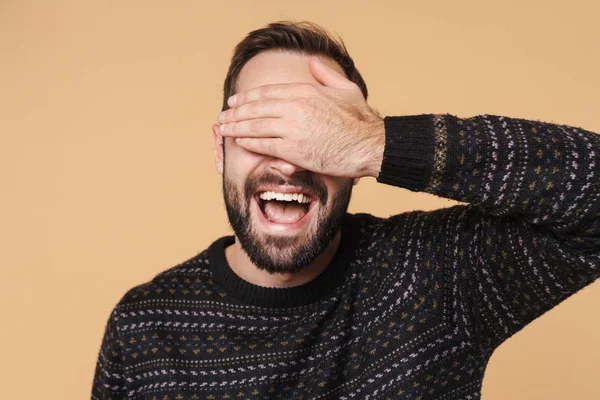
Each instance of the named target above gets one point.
<point>327,129</point>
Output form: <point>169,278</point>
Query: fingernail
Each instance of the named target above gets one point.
<point>221,116</point>
<point>222,127</point>
<point>231,101</point>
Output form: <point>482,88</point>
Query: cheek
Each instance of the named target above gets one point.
<point>243,155</point>
<point>337,188</point>
<point>241,161</point>
<point>240,164</point>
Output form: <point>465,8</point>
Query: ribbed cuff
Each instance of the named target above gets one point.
<point>409,151</point>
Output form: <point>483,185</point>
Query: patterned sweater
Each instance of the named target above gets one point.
<point>411,306</point>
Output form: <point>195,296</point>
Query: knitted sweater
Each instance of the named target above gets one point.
<point>411,306</point>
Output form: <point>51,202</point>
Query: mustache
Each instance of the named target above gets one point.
<point>304,181</point>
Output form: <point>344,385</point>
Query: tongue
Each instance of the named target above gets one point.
<point>283,212</point>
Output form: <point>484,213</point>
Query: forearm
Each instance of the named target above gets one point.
<point>530,237</point>
<point>547,172</point>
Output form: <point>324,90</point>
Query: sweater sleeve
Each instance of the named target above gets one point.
<point>109,380</point>
<point>530,236</point>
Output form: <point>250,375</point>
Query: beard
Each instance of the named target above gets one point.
<point>280,253</point>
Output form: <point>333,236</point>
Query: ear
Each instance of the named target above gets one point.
<point>218,148</point>
<point>355,181</point>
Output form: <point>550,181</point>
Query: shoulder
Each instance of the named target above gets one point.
<point>410,223</point>
<point>169,282</point>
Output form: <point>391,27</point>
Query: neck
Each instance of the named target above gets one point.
<point>244,268</point>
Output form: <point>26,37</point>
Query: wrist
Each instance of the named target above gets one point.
<point>375,148</point>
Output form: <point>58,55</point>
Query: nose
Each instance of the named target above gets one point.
<point>286,168</point>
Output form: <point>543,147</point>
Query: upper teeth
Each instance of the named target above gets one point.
<point>299,197</point>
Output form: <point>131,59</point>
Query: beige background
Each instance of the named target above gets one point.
<point>106,168</point>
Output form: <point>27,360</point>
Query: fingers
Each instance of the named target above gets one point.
<point>266,146</point>
<point>260,128</point>
<point>270,92</point>
<point>256,109</point>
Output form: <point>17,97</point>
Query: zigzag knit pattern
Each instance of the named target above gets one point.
<point>411,307</point>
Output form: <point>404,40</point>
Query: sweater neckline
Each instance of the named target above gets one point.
<point>326,282</point>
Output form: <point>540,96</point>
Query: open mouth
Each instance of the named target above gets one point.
<point>284,208</point>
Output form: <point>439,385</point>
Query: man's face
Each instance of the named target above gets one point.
<point>277,233</point>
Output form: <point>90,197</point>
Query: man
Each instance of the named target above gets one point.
<point>307,301</point>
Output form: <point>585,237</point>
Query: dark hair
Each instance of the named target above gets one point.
<point>303,37</point>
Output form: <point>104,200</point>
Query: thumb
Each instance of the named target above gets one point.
<point>326,75</point>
